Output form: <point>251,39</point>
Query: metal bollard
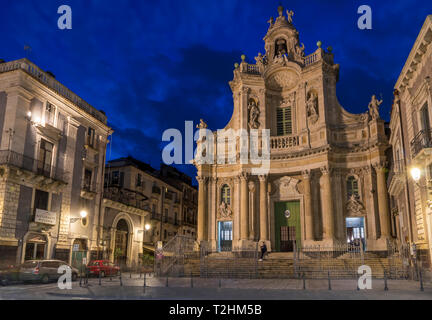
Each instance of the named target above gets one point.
<point>220,283</point>
<point>421,280</point>
<point>100,278</point>
<point>130,275</point>
<point>358,288</point>
<point>329,281</point>
<point>191,280</point>
<point>304,281</point>
<point>121,282</point>
<point>166,283</point>
<point>87,276</point>
<point>385,281</point>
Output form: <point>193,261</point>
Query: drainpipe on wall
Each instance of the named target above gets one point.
<point>99,227</point>
<point>407,192</point>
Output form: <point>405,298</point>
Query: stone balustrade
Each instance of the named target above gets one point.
<point>285,142</point>
<point>53,84</point>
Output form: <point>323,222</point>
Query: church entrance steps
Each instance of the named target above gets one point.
<point>276,267</point>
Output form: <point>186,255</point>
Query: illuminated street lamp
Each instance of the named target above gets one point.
<point>83,214</point>
<point>147,226</point>
<point>415,174</point>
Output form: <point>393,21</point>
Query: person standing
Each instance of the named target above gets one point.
<point>263,251</point>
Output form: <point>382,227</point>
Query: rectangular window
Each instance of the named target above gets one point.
<point>424,113</point>
<point>87,179</point>
<point>115,178</point>
<point>91,137</point>
<point>138,180</point>
<point>41,200</point>
<point>45,157</point>
<point>49,114</point>
<point>284,121</point>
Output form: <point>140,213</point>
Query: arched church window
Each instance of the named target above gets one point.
<point>284,121</point>
<point>226,194</point>
<point>352,187</point>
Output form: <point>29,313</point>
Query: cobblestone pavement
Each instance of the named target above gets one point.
<point>213,289</point>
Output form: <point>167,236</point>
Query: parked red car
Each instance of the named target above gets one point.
<point>104,267</point>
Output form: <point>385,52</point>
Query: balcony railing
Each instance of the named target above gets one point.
<point>422,140</point>
<point>38,167</point>
<point>284,142</point>
<point>53,84</point>
<point>156,216</point>
<point>396,170</point>
<point>126,196</point>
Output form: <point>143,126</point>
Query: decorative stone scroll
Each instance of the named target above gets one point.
<point>287,185</point>
<point>224,211</point>
<point>355,208</point>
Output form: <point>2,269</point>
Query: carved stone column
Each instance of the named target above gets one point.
<point>263,209</point>
<point>202,196</point>
<point>244,210</point>
<point>308,205</point>
<point>383,205</point>
<point>213,211</point>
<point>327,202</point>
<point>251,210</point>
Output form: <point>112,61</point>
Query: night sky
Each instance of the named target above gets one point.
<point>151,65</point>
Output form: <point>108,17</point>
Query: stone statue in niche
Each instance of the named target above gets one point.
<point>254,114</point>
<point>374,108</point>
<point>312,107</point>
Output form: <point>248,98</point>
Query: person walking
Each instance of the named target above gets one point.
<point>263,251</point>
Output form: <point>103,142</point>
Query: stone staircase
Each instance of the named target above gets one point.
<point>284,266</point>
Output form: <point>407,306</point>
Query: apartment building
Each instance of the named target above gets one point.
<point>142,206</point>
<point>52,155</point>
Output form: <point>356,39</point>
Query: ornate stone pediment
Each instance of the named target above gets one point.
<point>224,211</point>
<point>286,79</point>
<point>355,208</point>
<point>287,185</point>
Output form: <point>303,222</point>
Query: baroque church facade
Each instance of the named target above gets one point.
<point>327,179</point>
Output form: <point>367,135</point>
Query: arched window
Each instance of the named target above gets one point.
<point>352,187</point>
<point>226,194</point>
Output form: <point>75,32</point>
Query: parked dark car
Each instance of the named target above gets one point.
<point>9,274</point>
<point>43,271</point>
<point>104,267</point>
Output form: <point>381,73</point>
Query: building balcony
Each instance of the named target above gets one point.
<point>130,198</point>
<point>156,216</point>
<point>422,144</point>
<point>38,169</point>
<point>284,142</point>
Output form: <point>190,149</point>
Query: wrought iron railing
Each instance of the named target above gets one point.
<point>126,196</point>
<point>421,141</point>
<point>33,165</point>
<point>174,252</point>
